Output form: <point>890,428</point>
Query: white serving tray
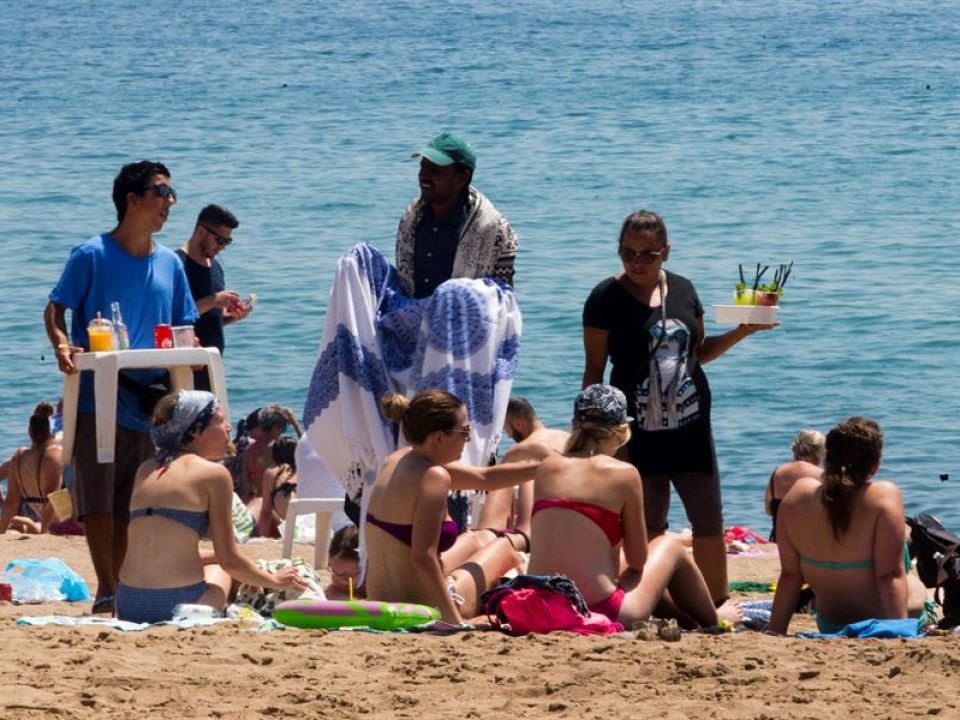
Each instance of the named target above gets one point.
<point>745,314</point>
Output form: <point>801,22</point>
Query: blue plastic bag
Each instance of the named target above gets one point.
<point>50,580</point>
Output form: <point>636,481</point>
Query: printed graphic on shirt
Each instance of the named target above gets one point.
<point>668,379</point>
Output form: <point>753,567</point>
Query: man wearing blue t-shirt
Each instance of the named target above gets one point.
<point>124,265</point>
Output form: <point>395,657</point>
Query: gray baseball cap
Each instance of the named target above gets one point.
<point>602,404</point>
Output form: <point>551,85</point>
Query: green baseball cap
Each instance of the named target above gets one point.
<point>446,149</point>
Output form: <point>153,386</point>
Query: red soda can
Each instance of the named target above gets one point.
<point>163,336</point>
<point>6,592</point>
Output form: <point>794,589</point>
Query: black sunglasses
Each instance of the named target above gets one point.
<point>222,240</point>
<point>644,256</point>
<point>163,191</point>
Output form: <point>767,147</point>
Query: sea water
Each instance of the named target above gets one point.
<point>762,131</point>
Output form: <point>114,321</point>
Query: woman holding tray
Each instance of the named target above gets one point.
<point>648,322</point>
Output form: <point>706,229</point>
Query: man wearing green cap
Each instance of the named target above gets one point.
<point>452,230</point>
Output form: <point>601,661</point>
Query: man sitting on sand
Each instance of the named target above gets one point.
<point>534,441</point>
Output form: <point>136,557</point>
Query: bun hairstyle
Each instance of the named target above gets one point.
<point>39,427</point>
<point>427,412</point>
<point>853,450</point>
<point>809,445</point>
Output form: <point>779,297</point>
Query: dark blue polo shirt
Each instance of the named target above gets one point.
<point>435,248</point>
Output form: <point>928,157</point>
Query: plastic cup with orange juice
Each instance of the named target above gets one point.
<point>100,332</point>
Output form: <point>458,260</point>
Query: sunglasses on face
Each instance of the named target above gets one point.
<point>345,575</point>
<point>222,240</point>
<point>463,432</point>
<point>643,256</point>
<point>163,191</point>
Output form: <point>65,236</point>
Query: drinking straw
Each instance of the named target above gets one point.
<point>350,587</point>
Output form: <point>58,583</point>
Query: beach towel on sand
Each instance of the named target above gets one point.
<point>874,628</point>
<point>464,339</point>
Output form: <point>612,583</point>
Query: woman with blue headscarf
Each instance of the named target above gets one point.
<point>180,496</point>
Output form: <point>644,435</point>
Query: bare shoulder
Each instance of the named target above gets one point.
<point>436,480</point>
<point>623,471</point>
<point>528,450</point>
<point>803,488</point>
<point>208,470</point>
<point>882,492</point>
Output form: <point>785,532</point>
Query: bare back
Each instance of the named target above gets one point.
<point>846,573</point>
<point>163,552</point>
<point>787,474</point>
<point>569,543</point>
<point>38,472</point>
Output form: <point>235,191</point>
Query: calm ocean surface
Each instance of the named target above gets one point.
<point>761,131</point>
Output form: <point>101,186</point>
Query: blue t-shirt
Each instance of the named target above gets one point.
<point>151,290</point>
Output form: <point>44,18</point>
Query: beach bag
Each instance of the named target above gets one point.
<point>937,552</point>
<point>540,604</point>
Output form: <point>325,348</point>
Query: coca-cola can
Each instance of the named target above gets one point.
<point>163,336</point>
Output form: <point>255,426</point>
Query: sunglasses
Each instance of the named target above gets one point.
<point>463,432</point>
<point>222,240</point>
<point>345,575</point>
<point>163,191</point>
<point>643,256</point>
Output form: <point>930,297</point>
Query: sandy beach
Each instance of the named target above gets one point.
<point>228,671</point>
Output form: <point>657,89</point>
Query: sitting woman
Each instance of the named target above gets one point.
<point>588,524</point>
<point>808,449</point>
<point>844,534</point>
<point>344,564</point>
<point>32,474</point>
<point>272,422</point>
<point>413,549</point>
<point>279,486</point>
<point>176,499</point>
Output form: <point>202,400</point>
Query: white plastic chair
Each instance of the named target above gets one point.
<point>324,509</point>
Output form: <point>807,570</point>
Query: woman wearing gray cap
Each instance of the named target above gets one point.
<point>588,524</point>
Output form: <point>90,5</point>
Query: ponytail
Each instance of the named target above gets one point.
<point>853,450</point>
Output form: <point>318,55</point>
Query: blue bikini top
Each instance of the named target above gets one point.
<point>196,520</point>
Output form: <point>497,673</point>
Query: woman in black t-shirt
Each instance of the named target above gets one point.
<point>649,323</point>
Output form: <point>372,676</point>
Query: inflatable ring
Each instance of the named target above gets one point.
<point>331,614</point>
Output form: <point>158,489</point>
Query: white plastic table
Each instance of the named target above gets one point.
<point>105,366</point>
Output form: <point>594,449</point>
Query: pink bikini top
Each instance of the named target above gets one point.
<point>606,520</point>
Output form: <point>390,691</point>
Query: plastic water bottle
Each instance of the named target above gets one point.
<point>119,328</point>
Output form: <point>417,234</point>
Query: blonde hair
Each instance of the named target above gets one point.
<point>426,412</point>
<point>810,445</point>
<point>585,431</point>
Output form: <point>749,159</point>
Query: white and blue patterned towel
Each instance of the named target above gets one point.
<point>464,339</point>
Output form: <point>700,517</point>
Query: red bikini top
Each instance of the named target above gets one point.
<point>606,520</point>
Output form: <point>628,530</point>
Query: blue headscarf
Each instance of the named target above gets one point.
<point>191,415</point>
